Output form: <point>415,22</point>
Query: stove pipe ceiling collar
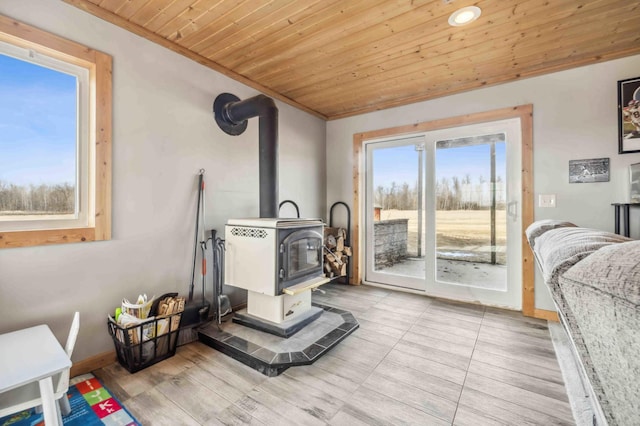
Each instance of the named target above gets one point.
<point>232,115</point>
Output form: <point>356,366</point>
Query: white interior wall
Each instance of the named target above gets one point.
<point>574,117</point>
<point>163,133</point>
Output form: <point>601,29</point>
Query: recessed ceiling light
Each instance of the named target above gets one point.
<point>464,16</point>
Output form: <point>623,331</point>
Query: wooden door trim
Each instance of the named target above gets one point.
<point>525,113</point>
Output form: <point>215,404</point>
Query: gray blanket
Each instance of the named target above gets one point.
<point>603,294</point>
<point>594,278</point>
<point>539,227</point>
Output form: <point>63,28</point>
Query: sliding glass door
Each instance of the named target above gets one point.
<point>442,213</point>
<point>395,212</point>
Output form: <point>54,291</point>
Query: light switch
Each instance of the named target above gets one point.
<point>546,200</point>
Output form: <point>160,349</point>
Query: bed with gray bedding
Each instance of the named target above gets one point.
<point>594,279</point>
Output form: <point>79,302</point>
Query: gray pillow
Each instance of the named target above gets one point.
<point>614,270</point>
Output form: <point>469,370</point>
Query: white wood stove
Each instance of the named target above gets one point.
<point>279,262</point>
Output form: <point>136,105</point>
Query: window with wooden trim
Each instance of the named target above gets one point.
<point>55,139</point>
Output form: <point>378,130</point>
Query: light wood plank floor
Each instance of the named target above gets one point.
<point>414,360</point>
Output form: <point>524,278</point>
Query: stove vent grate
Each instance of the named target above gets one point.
<point>249,232</point>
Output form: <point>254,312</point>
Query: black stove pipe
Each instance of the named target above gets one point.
<point>232,114</point>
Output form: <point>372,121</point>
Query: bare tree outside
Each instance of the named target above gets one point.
<point>36,200</point>
<point>451,194</point>
<point>462,207</point>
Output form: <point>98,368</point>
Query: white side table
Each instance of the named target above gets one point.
<point>29,355</point>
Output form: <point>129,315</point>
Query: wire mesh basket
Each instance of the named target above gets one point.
<point>147,343</point>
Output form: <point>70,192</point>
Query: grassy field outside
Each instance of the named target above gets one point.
<point>458,232</point>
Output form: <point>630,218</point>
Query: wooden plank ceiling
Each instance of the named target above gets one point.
<point>337,58</point>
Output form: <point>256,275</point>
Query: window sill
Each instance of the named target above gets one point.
<point>48,237</point>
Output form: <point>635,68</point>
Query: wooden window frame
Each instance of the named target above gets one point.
<point>525,113</point>
<point>99,66</point>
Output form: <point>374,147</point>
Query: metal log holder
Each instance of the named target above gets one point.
<point>347,242</point>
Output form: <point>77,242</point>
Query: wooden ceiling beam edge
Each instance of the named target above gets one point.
<point>506,79</point>
<point>87,6</point>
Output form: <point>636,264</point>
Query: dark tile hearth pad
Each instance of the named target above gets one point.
<point>270,354</point>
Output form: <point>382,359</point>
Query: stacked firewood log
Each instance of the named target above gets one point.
<point>336,254</point>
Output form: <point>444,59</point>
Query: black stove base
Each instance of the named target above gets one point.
<point>270,354</point>
<point>284,329</point>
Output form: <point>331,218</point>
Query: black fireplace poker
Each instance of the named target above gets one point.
<point>232,115</point>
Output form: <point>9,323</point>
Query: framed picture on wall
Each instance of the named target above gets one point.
<point>629,115</point>
<point>589,171</point>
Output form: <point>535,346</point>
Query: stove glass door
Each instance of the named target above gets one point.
<point>302,255</point>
